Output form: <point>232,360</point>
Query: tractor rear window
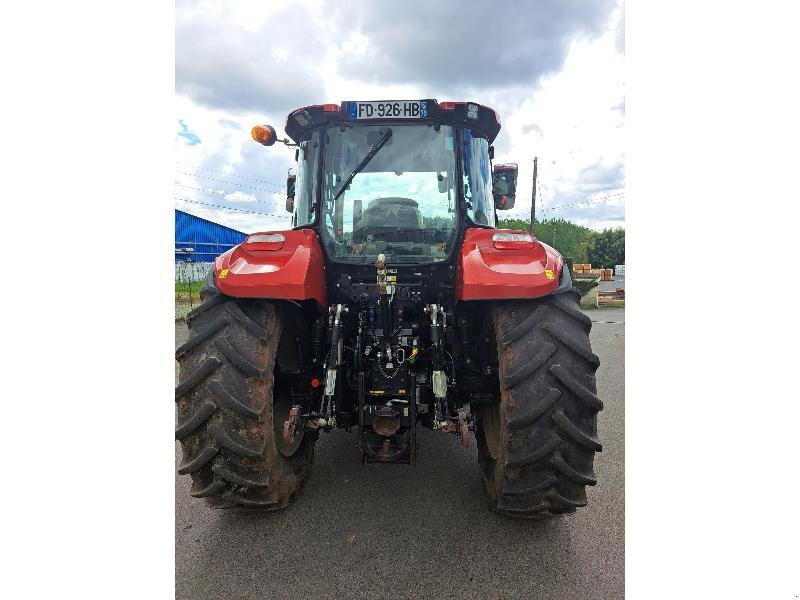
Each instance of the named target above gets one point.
<point>389,189</point>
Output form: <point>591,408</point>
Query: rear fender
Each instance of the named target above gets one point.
<point>294,272</point>
<point>487,273</point>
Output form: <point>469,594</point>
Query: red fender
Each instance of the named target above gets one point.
<point>488,273</point>
<point>296,271</point>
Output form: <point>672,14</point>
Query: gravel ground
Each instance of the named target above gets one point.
<point>420,531</point>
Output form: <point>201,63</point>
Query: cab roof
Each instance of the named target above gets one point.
<point>482,118</point>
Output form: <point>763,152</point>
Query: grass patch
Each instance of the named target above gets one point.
<point>181,312</point>
<point>187,297</point>
<point>184,290</point>
<point>612,303</point>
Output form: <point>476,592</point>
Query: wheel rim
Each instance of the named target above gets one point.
<point>281,405</point>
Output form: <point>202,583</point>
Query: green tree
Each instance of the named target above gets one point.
<point>571,240</point>
<point>581,244</point>
<point>607,248</point>
<point>524,224</point>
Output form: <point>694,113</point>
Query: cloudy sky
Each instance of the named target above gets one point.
<point>553,69</point>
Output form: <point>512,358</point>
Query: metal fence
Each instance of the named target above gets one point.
<point>193,263</point>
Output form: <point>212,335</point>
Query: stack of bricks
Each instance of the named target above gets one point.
<point>582,268</point>
<point>586,269</point>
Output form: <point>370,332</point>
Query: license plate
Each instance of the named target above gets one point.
<point>392,109</point>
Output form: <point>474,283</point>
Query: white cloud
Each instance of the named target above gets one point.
<point>572,119</point>
<point>240,197</point>
<point>573,125</point>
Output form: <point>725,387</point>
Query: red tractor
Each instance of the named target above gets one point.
<point>392,303</point>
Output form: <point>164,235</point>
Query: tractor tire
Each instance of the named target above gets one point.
<point>229,411</point>
<point>536,446</point>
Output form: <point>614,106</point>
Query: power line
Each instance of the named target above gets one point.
<point>251,187</point>
<point>223,194</point>
<point>552,208</point>
<point>252,212</point>
<point>227,174</point>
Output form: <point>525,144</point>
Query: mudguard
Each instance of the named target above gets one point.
<point>296,271</point>
<point>488,273</point>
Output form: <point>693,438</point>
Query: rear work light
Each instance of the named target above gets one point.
<point>512,241</point>
<point>265,241</point>
<point>302,117</point>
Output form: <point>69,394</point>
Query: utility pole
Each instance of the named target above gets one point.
<point>533,195</point>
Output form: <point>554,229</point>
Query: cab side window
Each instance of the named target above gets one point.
<point>306,184</point>
<point>478,180</point>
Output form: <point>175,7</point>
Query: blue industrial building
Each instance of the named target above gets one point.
<point>199,240</point>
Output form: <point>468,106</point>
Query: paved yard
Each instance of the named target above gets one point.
<point>423,531</point>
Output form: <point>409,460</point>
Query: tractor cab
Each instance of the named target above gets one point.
<point>398,178</point>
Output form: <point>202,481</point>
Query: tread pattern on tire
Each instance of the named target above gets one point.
<point>548,409</point>
<point>224,407</point>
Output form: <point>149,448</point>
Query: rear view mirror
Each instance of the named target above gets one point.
<point>290,182</point>
<point>504,185</point>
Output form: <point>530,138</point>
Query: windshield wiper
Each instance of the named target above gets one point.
<point>372,152</point>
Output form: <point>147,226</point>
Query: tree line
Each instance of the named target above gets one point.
<point>603,249</point>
